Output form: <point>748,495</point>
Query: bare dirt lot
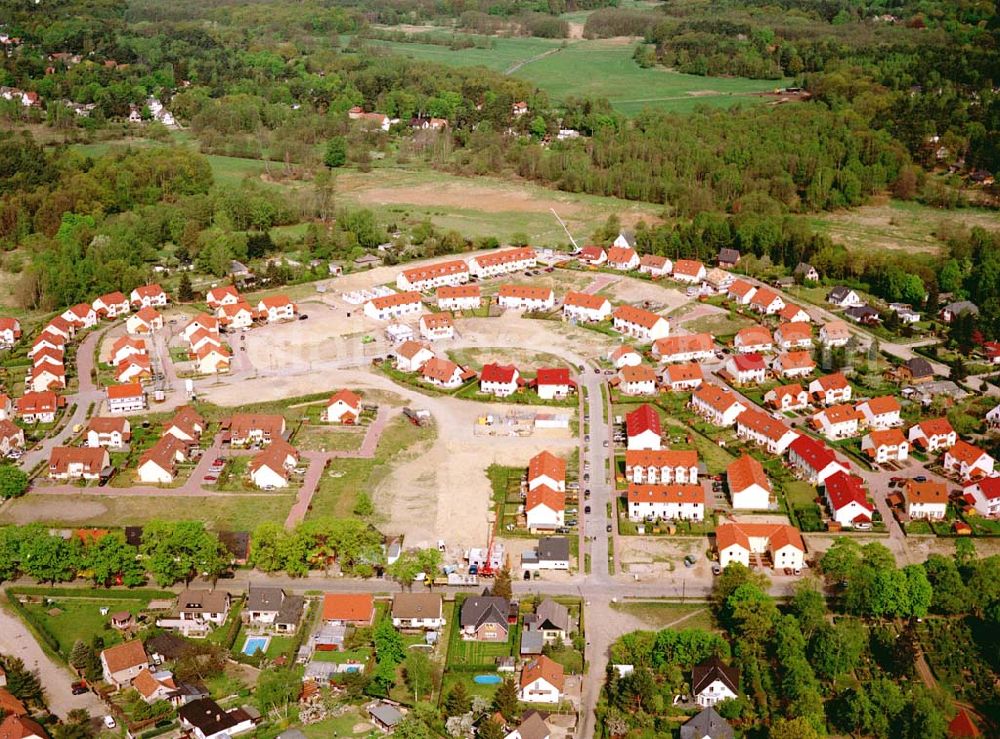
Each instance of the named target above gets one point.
<point>666,297</point>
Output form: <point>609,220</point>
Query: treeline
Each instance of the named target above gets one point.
<point>317,544</point>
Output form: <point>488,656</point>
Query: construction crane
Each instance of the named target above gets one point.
<point>568,234</point>
<point>487,569</point>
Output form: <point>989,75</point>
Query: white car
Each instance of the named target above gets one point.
<point>110,722</point>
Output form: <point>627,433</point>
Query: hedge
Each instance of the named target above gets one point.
<point>93,593</point>
<point>47,640</point>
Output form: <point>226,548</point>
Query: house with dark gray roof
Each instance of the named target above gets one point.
<point>953,310</point>
<point>385,715</point>
<point>552,553</point>
<point>806,272</point>
<point>272,608</point>
<point>843,296</point>
<point>550,618</point>
<point>864,314</point>
<point>713,682</point>
<point>707,725</point>
<point>728,257</point>
<point>484,618</point>
<point>206,719</point>
<point>532,726</point>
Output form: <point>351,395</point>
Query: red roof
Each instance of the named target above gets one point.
<point>348,607</point>
<point>813,452</point>
<point>746,472</point>
<point>128,390</point>
<point>963,451</point>
<point>638,493</point>
<point>642,419</point>
<point>989,486</point>
<point>544,495</point>
<point>748,362</point>
<point>502,373</point>
<point>584,300</point>
<point>843,489</point>
<point>689,267</point>
<point>458,291</point>
<point>546,464</point>
<point>351,399</point>
<point>553,376</point>
<point>591,254</point>
<point>431,271</point>
<point>639,316</point>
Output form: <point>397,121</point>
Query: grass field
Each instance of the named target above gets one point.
<point>80,618</point>
<point>660,615</point>
<point>503,53</point>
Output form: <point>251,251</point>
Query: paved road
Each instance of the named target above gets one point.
<point>17,641</point>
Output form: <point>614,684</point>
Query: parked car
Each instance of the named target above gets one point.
<point>79,687</point>
<point>303,317</point>
<point>716,569</point>
<point>209,479</point>
<point>586,509</point>
<point>110,722</point>
<point>690,560</point>
<point>608,528</point>
<point>605,443</point>
<point>920,478</point>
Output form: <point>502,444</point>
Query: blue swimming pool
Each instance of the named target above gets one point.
<point>487,679</point>
<point>255,644</point>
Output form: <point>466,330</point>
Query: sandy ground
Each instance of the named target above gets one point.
<point>51,510</point>
<point>637,291</point>
<point>660,557</point>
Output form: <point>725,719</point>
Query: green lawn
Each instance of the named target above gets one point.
<point>351,655</point>
<point>502,54</point>
<point>660,615</point>
<point>80,618</point>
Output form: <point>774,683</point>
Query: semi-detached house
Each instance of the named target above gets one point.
<point>661,466</point>
<point>932,435</point>
<point>655,266</point>
<point>638,380</point>
<point>984,495</point>
<point>753,340</point>
<point>500,380</point>
<point>882,412</point>
<point>716,405</point>
<point>640,323</point>
<point>459,297</point>
<point>831,389</point>
<point>763,430</point>
<point>888,445</point>
<point>787,397</point>
<point>437,326</point>
<point>685,348</point>
<point>689,270</point>
<point>582,306</point>
<point>794,364</point>
<point>276,308</point>
<point>681,377</point>
<point>38,407</point>
<point>813,460</point>
<point>420,279</point>
<point>77,463</point>
<point>111,305</point>
<point>766,302</point>
<point>108,432</point>
<point>146,296</point>
<point>126,398</point>
<point>837,421</point>
<point>397,305</point>
<point>623,258</point>
<point>793,336</point>
<point>736,542</point>
<point>666,502</point>
<point>927,499</point>
<point>968,461</point>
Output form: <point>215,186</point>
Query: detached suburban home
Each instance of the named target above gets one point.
<point>887,445</point>
<point>953,310</point>
<point>624,356</point>
<point>255,428</point>
<point>655,266</point>
<point>270,607</point>
<point>753,340</point>
<point>158,464</point>
<point>49,356</point>
<point>343,407</point>
<point>198,612</point>
<point>831,389</point>
<point>271,467</point>
<point>794,336</point>
<point>412,355</point>
<point>623,258</point>
<point>77,463</point>
<point>967,461</point>
<point>553,383</point>
<point>81,315</point>
<point>40,407</point>
<point>542,681</point>
<point>806,272</point>
<point>545,509</point>
<point>834,334</point>
<point>844,297</point>
<point>501,380</point>
<point>707,725</point>
<point>552,553</point>
<point>206,719</point>
<point>685,348</point>
<point>794,364</point>
<point>187,424</point>
<point>436,326</point>
<point>813,460</point>
<point>933,435</point>
<point>639,323</point>
<point>665,502</point>
<point>547,469</point>
<point>276,308</point>
<point>925,499</point>
<point>145,321</point>
<point>984,495</point>
<point>397,305</point>
<point>716,405</point>
<point>108,432</point>
<point>349,609</point>
<point>741,292</point>
<point>10,331</point>
<point>61,327</point>
<point>449,273</point>
<point>126,398</point>
<point>526,298</point>
<point>11,436</point>
<point>787,398</point>
<point>47,341</point>
<point>728,258</point>
<point>766,302</point>
<point>689,270</point>
<point>749,488</point>
<point>202,325</point>
<point>643,428</point>
<point>235,316</point>
<point>21,727</point>
<point>47,376</point>
<point>735,542</point>
<point>146,296</point>
<point>763,430</point>
<point>680,377</point>
<point>719,280</point>
<point>837,421</point>
<point>485,618</point>
<point>794,314</point>
<point>417,611</point>
<point>134,368</point>
<point>442,373</point>
<point>713,682</point>
<point>638,380</point>
<point>125,347</point>
<point>458,297</point>
<point>111,305</point>
<point>661,466</point>
<point>580,306</point>
<point>503,262</point>
<point>224,295</point>
<point>881,412</point>
<point>847,501</point>
<point>746,369</point>
<point>592,256</point>
<point>122,663</point>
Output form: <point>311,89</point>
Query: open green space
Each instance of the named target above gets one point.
<point>69,619</point>
<point>498,54</point>
<point>659,615</point>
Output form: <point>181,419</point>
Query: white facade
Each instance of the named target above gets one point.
<point>502,262</point>
<point>713,693</point>
<point>398,305</point>
<point>527,302</point>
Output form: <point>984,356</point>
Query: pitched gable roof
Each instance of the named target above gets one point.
<point>714,669</point>
<point>746,472</point>
<point>126,655</point>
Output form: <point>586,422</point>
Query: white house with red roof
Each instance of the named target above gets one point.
<point>749,488</point>
<point>741,292</point>
<point>500,380</point>
<point>763,430</point>
<point>881,412</point>
<point>47,376</point>
<point>968,461</point>
<point>459,297</point>
<point>624,356</point>
<point>212,359</point>
<point>928,499</point>
<point>47,340</point>
<point>681,377</point>
<point>793,336</point>
<point>144,321</point>
<point>888,445</point>
<point>637,379</point>
<point>642,427</point>
<point>503,262</point>
<point>526,298</point>
<point>125,347</point>
<point>343,407</point>
<point>542,681</point>
<point>689,270</point>
<point>933,434</point>
<point>794,314</point>
<point>766,302</point>
<point>544,509</point>
<point>6,407</point>
<point>546,469</point>
<point>126,398</point>
<point>108,432</point>
<point>661,466</point>
<point>49,356</point>
<point>753,340</point>
<point>38,407</point>
<point>717,405</point>
<point>111,305</point>
<point>11,437</point>
<point>276,308</point>
<point>593,256</point>
<point>738,541</point>
<point>665,502</point>
<point>82,315</point>
<point>685,348</point>
<point>655,265</point>
<point>452,272</point>
<point>794,364</point>
<point>831,389</point>
<point>847,500</point>
<point>623,258</point>
<point>203,322</point>
<point>746,369</point>
<point>235,316</point>
<point>134,368</point>
<point>396,305</point>
<point>437,326</point>
<point>580,306</point>
<point>553,383</point>
<point>984,495</point>
<point>222,295</point>
<point>813,460</point>
<point>834,334</point>
<point>10,331</point>
<point>412,355</point>
<point>60,326</point>
<point>639,323</point>
<point>442,372</point>
<point>837,421</point>
<point>146,296</point>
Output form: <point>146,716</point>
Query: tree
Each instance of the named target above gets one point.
<point>50,558</point>
<point>185,292</point>
<point>734,575</point>
<point>835,650</point>
<point>965,552</point>
<point>405,569</point>
<point>841,559</point>
<point>13,481</point>
<point>505,699</point>
<point>176,551</point>
<point>795,728</point>
<point>412,728</point>
<point>81,654</point>
<point>388,643</point>
<point>951,594</point>
<point>21,682</point>
<point>363,506</point>
<point>502,584</point>
<point>111,557</point>
<point>489,729</point>
<point>336,152</point>
<point>457,701</point>
<point>418,670</point>
<point>809,606</point>
<point>277,689</point>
